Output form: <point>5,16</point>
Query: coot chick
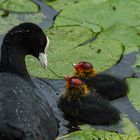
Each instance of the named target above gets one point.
<point>24,112</point>
<point>107,86</point>
<point>80,106</point>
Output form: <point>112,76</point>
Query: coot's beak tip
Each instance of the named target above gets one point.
<point>43,60</point>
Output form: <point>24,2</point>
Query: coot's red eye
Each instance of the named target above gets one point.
<point>42,42</point>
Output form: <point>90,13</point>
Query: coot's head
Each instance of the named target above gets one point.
<point>75,88</point>
<point>84,69</point>
<point>30,39</point>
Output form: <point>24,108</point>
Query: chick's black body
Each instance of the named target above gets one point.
<point>90,109</point>
<point>107,86</point>
<point>85,107</point>
<point>24,112</point>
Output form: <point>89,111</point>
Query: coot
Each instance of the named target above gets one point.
<point>80,106</point>
<point>107,86</point>
<point>24,112</point>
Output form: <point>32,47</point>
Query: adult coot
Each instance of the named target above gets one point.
<point>24,112</point>
<point>107,86</point>
<point>78,105</point>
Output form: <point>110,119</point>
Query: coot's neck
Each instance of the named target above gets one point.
<point>13,60</point>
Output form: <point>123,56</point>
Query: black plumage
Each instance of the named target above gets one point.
<point>79,105</point>
<point>106,86</point>
<point>24,112</point>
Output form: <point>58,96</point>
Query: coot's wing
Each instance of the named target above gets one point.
<point>46,114</point>
<point>24,110</point>
<point>17,113</point>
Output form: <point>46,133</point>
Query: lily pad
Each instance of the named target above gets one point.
<point>14,19</point>
<point>136,66</point>
<point>24,6</point>
<point>128,36</point>
<point>134,88</point>
<point>93,134</point>
<point>123,15</point>
<point>64,51</point>
<point>104,14</point>
<point>128,126</point>
<point>60,4</point>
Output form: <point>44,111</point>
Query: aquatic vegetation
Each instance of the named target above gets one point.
<point>23,6</point>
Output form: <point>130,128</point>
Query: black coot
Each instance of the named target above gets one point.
<point>24,112</point>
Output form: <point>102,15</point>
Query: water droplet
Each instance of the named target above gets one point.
<point>14,92</point>
<point>25,119</point>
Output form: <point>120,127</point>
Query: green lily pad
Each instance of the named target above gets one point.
<point>134,87</point>
<point>136,66</point>
<point>93,134</point>
<point>63,52</point>
<point>128,126</point>
<point>128,36</point>
<point>24,6</point>
<point>104,14</point>
<point>115,18</point>
<point>14,19</point>
<point>60,4</point>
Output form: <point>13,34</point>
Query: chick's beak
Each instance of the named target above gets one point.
<point>75,66</point>
<point>43,60</point>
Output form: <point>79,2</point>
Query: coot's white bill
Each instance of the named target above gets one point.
<point>43,60</point>
<point>47,43</point>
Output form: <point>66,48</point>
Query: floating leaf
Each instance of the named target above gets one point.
<point>128,126</point>
<point>136,66</point>
<point>60,4</point>
<point>134,88</point>
<point>14,19</point>
<point>114,17</point>
<point>93,134</point>
<point>64,51</point>
<point>128,36</point>
<point>24,6</point>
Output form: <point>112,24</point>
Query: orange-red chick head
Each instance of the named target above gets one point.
<point>72,82</point>
<point>84,69</point>
<point>75,86</point>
